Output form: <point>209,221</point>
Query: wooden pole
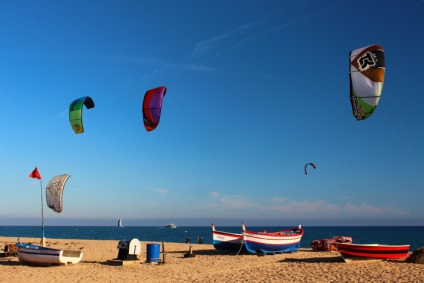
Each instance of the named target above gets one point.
<point>43,239</point>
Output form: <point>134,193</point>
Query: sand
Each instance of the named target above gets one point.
<point>208,265</point>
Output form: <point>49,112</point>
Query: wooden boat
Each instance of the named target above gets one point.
<point>351,252</point>
<point>170,226</point>
<point>272,242</point>
<point>329,244</point>
<point>37,255</point>
<point>225,241</point>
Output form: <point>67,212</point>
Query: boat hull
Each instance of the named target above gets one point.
<point>352,252</point>
<point>274,242</point>
<point>226,241</point>
<point>38,255</point>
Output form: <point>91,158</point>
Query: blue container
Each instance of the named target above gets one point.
<point>152,253</point>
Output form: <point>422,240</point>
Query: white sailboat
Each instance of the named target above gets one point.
<point>120,224</point>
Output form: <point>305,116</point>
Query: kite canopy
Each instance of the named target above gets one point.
<point>304,169</point>
<point>152,107</point>
<point>75,112</point>
<point>366,73</point>
<point>54,191</point>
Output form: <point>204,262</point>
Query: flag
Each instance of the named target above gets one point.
<point>35,174</point>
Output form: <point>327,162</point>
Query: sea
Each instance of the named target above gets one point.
<point>391,235</point>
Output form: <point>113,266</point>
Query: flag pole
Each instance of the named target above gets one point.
<point>42,216</point>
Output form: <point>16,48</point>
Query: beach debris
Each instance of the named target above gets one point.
<point>329,244</point>
<point>417,256</point>
<point>9,250</point>
<point>189,253</point>
<point>128,250</point>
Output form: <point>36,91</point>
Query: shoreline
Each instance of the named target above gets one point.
<point>208,265</point>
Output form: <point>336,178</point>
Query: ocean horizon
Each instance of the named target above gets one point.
<point>391,235</point>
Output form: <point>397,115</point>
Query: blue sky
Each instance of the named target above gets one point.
<point>256,89</point>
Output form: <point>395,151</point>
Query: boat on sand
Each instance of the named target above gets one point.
<point>226,241</point>
<point>37,255</point>
<point>361,252</point>
<point>272,242</point>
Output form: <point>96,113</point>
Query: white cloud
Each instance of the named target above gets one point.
<point>214,194</point>
<point>284,208</point>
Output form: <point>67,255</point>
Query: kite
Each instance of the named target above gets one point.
<point>152,107</point>
<point>54,191</point>
<point>366,74</point>
<point>75,113</point>
<point>313,166</point>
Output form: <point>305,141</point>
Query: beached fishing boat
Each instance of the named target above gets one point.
<point>225,241</point>
<point>272,242</point>
<point>351,252</point>
<point>37,255</point>
<point>170,225</point>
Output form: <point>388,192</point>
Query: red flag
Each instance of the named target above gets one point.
<point>35,174</point>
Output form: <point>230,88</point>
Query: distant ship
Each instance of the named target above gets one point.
<point>120,224</point>
<point>170,226</point>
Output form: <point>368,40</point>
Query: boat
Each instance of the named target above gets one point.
<point>225,241</point>
<point>351,252</point>
<point>37,255</point>
<point>272,242</point>
<point>120,224</point>
<point>41,255</point>
<point>170,226</point>
<point>328,245</point>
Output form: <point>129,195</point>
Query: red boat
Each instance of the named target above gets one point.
<point>328,245</point>
<point>351,252</point>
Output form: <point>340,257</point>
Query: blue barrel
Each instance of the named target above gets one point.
<point>152,253</point>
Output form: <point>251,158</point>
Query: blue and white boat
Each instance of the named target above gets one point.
<point>272,242</point>
<point>225,241</point>
<point>37,255</point>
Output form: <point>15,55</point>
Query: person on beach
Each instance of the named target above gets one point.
<point>187,240</point>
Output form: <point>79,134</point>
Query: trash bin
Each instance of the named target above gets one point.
<point>152,253</point>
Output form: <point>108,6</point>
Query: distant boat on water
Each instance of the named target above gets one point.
<point>120,224</point>
<point>170,225</point>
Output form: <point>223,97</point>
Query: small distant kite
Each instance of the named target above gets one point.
<point>54,192</point>
<point>304,169</point>
<point>152,107</point>
<point>366,73</point>
<point>75,113</point>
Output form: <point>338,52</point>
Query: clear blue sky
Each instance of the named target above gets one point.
<point>256,89</point>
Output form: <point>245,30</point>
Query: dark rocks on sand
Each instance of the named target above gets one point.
<point>417,256</point>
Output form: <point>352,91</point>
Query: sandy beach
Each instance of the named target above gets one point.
<point>208,265</point>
